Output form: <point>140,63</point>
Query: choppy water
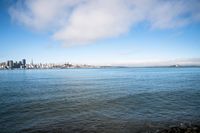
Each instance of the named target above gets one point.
<point>98,100</point>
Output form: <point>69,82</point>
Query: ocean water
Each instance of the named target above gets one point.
<point>112,100</point>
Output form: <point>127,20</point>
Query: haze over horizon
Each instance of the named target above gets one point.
<point>101,32</point>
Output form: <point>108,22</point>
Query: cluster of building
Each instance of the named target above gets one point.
<point>10,64</point>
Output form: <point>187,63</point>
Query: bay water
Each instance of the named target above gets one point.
<point>118,100</point>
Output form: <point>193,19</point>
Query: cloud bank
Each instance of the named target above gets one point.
<point>77,22</point>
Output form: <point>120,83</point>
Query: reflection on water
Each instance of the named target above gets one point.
<point>98,100</point>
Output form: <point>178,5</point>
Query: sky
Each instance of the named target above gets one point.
<point>101,32</point>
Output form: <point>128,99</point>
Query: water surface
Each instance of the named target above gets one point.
<point>98,100</point>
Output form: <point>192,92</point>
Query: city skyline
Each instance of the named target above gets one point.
<point>101,32</point>
<point>22,64</point>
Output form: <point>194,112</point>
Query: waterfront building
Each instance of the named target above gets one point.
<point>24,62</point>
<point>10,64</point>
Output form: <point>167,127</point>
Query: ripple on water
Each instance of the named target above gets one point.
<point>98,100</point>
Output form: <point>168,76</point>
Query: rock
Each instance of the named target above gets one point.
<point>182,128</point>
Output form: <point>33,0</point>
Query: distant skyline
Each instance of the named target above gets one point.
<point>101,32</point>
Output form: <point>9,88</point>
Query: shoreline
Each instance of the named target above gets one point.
<point>181,128</point>
<point>101,67</point>
<point>176,128</point>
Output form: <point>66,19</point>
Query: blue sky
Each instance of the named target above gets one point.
<point>105,33</point>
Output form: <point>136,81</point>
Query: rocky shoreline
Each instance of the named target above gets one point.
<point>181,128</point>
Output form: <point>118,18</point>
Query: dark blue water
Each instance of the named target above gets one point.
<point>98,100</point>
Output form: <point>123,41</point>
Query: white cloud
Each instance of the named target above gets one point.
<point>42,14</point>
<point>76,22</point>
<point>96,20</point>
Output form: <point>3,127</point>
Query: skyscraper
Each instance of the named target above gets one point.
<point>10,64</point>
<point>24,63</point>
<point>31,61</point>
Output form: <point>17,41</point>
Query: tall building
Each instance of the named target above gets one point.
<point>20,63</point>
<point>10,64</point>
<point>24,63</point>
<point>31,61</point>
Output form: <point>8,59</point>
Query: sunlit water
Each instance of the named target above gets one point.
<point>98,100</point>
